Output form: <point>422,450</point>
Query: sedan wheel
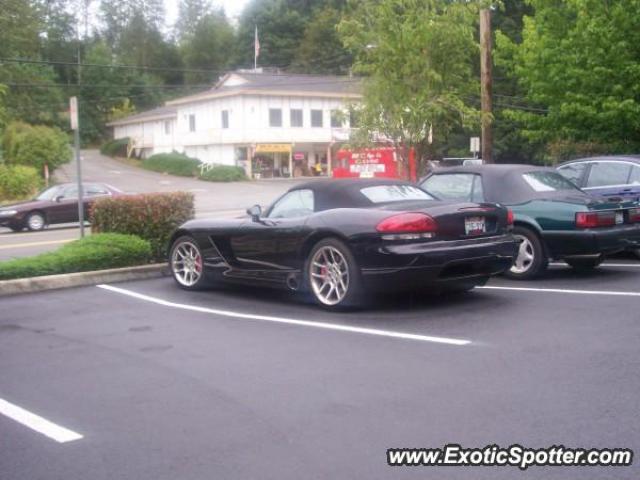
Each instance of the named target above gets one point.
<point>531,260</point>
<point>186,263</point>
<point>35,221</point>
<point>332,275</point>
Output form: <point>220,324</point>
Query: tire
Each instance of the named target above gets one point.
<point>332,276</point>
<point>532,260</point>
<point>584,264</point>
<point>35,221</point>
<point>186,264</point>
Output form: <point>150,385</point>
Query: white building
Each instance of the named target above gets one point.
<point>284,123</point>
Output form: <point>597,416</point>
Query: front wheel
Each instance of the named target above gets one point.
<point>531,260</point>
<point>333,276</point>
<point>584,264</point>
<point>35,221</point>
<point>186,264</point>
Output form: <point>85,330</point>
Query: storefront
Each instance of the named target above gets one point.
<point>284,160</point>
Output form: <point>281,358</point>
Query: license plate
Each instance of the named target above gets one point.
<point>619,218</point>
<point>474,225</point>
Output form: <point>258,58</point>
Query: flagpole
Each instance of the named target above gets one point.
<point>256,49</point>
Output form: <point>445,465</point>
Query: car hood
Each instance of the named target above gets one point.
<point>22,205</point>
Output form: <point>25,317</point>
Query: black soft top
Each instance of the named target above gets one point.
<point>503,183</point>
<point>344,192</point>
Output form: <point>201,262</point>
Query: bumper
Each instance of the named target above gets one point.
<point>10,222</point>
<point>592,241</point>
<point>441,263</point>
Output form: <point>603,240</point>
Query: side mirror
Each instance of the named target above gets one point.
<point>254,212</point>
<point>58,199</point>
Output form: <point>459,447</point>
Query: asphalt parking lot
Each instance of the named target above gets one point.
<point>158,383</point>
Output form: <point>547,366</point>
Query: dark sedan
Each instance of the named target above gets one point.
<point>57,204</point>
<point>613,176</point>
<point>338,239</point>
<point>553,217</point>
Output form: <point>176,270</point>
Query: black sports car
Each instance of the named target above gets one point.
<point>338,239</point>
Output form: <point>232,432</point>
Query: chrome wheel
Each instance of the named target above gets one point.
<point>35,221</point>
<point>526,255</point>
<point>186,263</point>
<point>329,275</point>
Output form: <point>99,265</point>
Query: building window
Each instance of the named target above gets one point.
<point>353,119</point>
<point>242,154</point>
<point>167,127</point>
<point>336,119</point>
<point>225,118</point>
<point>316,118</point>
<point>192,123</point>
<point>296,117</point>
<point>275,117</point>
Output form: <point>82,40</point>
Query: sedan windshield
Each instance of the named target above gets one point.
<point>548,182</point>
<point>49,193</point>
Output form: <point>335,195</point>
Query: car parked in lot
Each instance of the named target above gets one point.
<point>57,204</point>
<point>553,219</point>
<point>608,176</point>
<point>338,239</point>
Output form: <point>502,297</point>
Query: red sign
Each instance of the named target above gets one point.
<point>366,163</point>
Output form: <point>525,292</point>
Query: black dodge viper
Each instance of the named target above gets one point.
<point>340,239</point>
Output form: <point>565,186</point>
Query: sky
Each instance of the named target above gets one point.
<point>233,9</point>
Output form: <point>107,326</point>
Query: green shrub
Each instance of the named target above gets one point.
<point>115,148</point>
<point>18,182</point>
<point>95,252</point>
<point>35,146</point>
<point>173,163</point>
<point>223,173</point>
<point>152,216</point>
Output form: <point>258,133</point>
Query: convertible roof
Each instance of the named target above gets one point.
<point>503,183</point>
<point>344,192</point>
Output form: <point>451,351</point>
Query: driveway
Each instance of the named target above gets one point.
<point>145,381</point>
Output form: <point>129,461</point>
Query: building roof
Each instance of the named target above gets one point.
<point>159,113</point>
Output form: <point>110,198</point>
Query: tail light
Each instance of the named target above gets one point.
<point>509,217</point>
<point>634,215</point>
<point>407,226</point>
<point>595,219</point>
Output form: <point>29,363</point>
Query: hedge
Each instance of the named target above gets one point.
<point>115,148</point>
<point>95,252</point>
<point>173,163</point>
<point>18,182</point>
<point>152,217</point>
<point>223,173</point>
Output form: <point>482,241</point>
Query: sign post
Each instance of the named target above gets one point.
<point>474,146</point>
<point>75,126</point>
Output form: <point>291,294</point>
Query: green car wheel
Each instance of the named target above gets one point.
<point>531,260</point>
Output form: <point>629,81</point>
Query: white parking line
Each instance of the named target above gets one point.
<point>626,265</point>
<point>562,290</point>
<point>289,321</point>
<point>37,423</point>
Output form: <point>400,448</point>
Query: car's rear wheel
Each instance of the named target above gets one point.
<point>35,221</point>
<point>584,264</point>
<point>186,263</point>
<point>531,260</point>
<point>333,276</point>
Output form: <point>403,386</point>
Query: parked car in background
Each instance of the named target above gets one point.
<point>553,219</point>
<point>608,176</point>
<point>338,239</point>
<point>57,204</point>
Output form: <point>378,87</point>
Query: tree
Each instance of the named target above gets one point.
<point>36,146</point>
<point>190,12</point>
<point>207,48</point>
<point>578,63</point>
<point>417,57</point>
<point>321,50</point>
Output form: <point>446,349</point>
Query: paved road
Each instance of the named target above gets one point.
<point>212,199</point>
<point>160,391</point>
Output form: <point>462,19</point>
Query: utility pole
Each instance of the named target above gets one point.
<point>486,84</point>
<point>75,126</point>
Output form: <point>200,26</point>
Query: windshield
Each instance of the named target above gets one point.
<point>49,193</point>
<point>548,182</point>
<point>394,193</point>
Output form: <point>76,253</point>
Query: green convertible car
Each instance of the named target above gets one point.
<point>553,219</point>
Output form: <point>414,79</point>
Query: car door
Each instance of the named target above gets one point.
<point>64,208</point>
<point>273,242</point>
<point>92,192</point>
<point>609,179</point>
